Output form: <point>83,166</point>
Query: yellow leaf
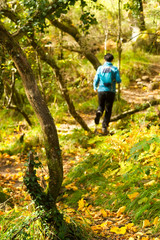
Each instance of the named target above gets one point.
<point>67,219</point>
<point>95,189</point>
<point>129,226</point>
<point>134,229</point>
<point>133,195</point>
<point>88,221</point>
<point>104,213</point>
<point>106,223</point>
<point>81,204</point>
<point>121,210</point>
<point>16,208</point>
<point>70,210</point>
<point>96,228</point>
<point>131,238</point>
<point>65,195</point>
<point>145,238</point>
<point>114,229</point>
<point>20,174</point>
<point>146,223</point>
<point>71,186</point>
<point>155,222</point>
<point>122,230</point>
<point>117,230</point>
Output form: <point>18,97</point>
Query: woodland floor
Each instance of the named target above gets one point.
<point>11,168</point>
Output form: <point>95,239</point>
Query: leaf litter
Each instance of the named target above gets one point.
<point>101,223</point>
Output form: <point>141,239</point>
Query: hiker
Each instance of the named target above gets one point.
<point>105,83</point>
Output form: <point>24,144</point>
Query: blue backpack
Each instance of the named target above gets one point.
<point>107,76</point>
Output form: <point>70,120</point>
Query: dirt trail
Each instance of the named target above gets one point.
<point>136,93</point>
<point>141,91</point>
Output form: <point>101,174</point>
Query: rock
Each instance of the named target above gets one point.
<point>154,86</point>
<point>151,97</point>
<point>156,79</point>
<point>138,80</point>
<point>146,78</point>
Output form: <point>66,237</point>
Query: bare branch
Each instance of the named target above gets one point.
<point>137,109</point>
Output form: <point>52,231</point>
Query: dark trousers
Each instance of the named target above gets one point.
<point>105,100</point>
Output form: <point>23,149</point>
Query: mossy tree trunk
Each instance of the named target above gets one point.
<point>141,22</point>
<point>53,152</point>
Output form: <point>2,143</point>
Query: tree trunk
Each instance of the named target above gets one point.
<point>2,60</point>
<point>53,152</point>
<point>119,43</point>
<point>45,200</point>
<point>141,22</point>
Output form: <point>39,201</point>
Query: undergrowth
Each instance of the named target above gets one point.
<point>118,170</point>
<point>108,172</point>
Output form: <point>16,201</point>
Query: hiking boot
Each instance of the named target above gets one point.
<point>105,131</point>
<point>97,118</point>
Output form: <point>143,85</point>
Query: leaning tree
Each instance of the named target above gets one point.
<point>44,199</point>
<point>37,13</point>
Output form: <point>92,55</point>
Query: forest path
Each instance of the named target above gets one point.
<point>138,92</point>
<point>145,89</point>
<point>11,168</point>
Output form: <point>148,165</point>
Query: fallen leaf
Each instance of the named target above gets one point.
<point>133,195</point>
<point>121,210</point>
<point>96,228</point>
<point>81,203</point>
<point>106,224</point>
<point>104,213</point>
<point>71,186</point>
<point>146,223</point>
<point>129,226</point>
<point>67,219</point>
<point>117,230</point>
<point>155,222</point>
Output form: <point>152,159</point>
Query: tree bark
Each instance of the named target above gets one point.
<point>141,22</point>
<point>119,43</point>
<point>53,152</point>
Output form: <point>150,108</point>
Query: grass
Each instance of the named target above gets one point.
<point>115,168</point>
<point>107,172</point>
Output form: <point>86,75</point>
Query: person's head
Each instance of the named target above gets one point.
<point>108,57</point>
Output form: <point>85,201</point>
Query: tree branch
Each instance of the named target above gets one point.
<point>137,109</point>
<point>10,14</point>
<point>51,62</point>
<point>73,31</point>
